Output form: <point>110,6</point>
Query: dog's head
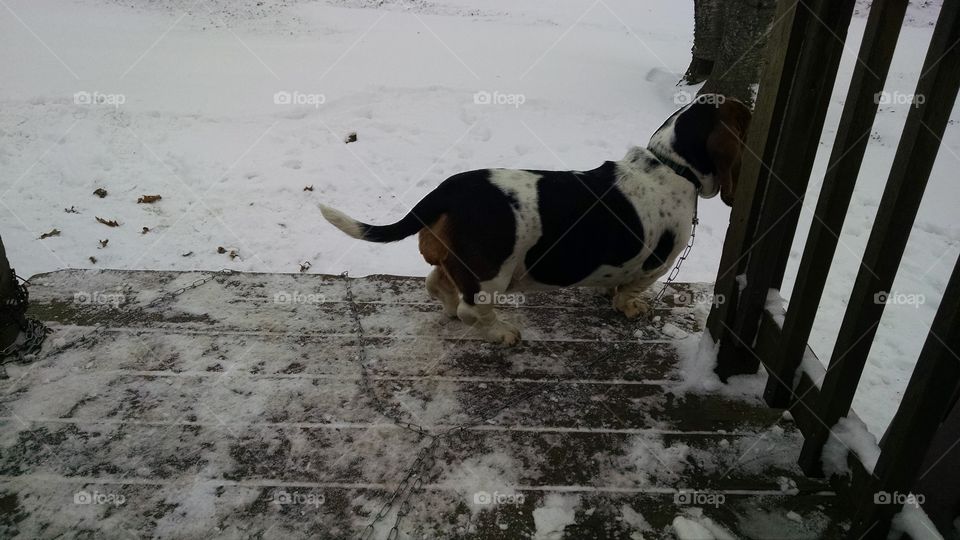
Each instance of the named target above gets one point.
<point>708,137</point>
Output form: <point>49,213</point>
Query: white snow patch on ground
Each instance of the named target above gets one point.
<point>849,434</point>
<point>913,521</point>
<point>193,515</point>
<point>556,512</point>
<point>485,480</point>
<point>646,461</point>
<point>636,520</point>
<point>698,359</point>
<point>673,331</point>
<point>695,526</point>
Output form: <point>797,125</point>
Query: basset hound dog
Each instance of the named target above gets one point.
<point>492,233</point>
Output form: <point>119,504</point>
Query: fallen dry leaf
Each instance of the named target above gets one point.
<point>100,192</point>
<point>103,243</point>
<point>187,254</point>
<point>145,230</point>
<point>53,232</point>
<point>71,210</point>
<point>221,249</point>
<point>93,260</point>
<point>304,266</point>
<point>108,222</point>
<point>308,188</point>
<point>149,199</point>
<point>351,137</point>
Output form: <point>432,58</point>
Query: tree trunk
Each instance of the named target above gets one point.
<point>707,31</point>
<point>736,72</point>
<point>10,321</point>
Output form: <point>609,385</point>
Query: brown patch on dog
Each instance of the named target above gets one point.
<point>434,241</point>
<point>460,257</point>
<point>725,145</point>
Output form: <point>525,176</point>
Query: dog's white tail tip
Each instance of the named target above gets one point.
<point>342,221</point>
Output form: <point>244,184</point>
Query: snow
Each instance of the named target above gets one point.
<point>776,306</point>
<point>636,520</point>
<point>698,359</point>
<point>913,521</point>
<point>188,112</point>
<point>556,512</point>
<point>695,526</point>
<point>811,366</point>
<point>849,434</point>
<point>485,480</point>
<point>647,461</point>
<point>741,281</point>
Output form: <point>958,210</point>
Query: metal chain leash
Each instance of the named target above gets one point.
<point>417,473</point>
<point>683,256</point>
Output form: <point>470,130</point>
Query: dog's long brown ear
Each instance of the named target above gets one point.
<point>725,145</point>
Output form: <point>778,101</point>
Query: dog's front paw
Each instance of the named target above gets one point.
<point>631,306</point>
<point>503,333</point>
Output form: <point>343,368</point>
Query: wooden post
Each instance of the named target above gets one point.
<point>919,144</point>
<point>929,395</point>
<point>853,134</point>
<point>783,48</point>
<point>788,171</point>
<point>939,475</point>
<point>9,327</point>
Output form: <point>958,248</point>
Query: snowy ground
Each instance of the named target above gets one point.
<point>198,124</point>
<point>251,406</point>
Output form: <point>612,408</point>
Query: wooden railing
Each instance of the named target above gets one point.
<point>803,55</point>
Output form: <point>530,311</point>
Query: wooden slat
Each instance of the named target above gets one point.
<point>220,412</point>
<point>926,122</point>
<point>807,101</point>
<point>783,48</point>
<point>929,395</point>
<point>856,121</point>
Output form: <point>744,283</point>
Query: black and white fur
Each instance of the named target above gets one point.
<point>619,226</point>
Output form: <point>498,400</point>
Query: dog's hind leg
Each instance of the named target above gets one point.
<point>479,310</point>
<point>439,287</point>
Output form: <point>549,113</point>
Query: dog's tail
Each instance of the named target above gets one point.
<point>425,213</point>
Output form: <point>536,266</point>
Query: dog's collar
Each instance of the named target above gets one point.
<point>682,170</point>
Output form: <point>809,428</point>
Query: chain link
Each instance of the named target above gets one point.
<point>683,256</point>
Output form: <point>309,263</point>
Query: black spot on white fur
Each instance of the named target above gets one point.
<point>661,253</point>
<point>587,222</point>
